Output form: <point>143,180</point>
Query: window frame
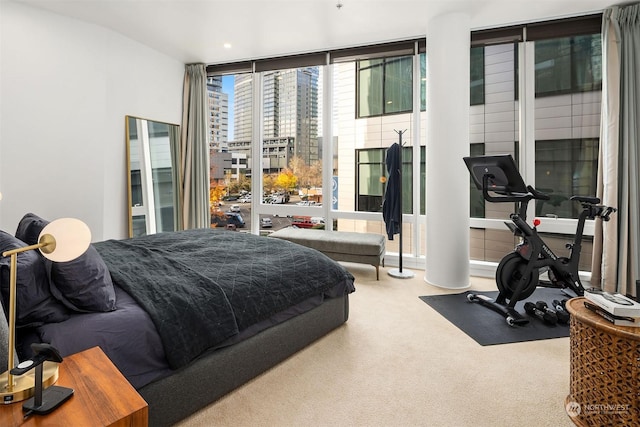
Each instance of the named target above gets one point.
<point>407,178</point>
<point>518,33</point>
<point>573,86</point>
<point>523,37</point>
<point>384,65</point>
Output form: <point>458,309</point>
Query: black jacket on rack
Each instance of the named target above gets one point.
<point>391,206</point>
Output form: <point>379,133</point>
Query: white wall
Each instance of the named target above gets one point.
<point>65,88</point>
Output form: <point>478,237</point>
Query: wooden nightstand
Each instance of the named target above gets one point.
<point>605,370</point>
<point>102,397</point>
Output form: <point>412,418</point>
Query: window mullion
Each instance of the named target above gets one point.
<point>257,132</point>
<point>327,149</point>
<point>383,89</point>
<point>527,138</point>
<point>415,136</point>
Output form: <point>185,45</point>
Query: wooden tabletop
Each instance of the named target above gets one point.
<point>575,307</point>
<point>102,397</point>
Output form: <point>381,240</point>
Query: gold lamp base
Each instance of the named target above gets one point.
<point>24,385</point>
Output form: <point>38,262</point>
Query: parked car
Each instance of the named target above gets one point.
<point>228,218</point>
<point>278,198</point>
<point>301,222</point>
<point>235,219</point>
<point>266,222</point>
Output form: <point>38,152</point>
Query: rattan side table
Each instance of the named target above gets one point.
<point>605,370</point>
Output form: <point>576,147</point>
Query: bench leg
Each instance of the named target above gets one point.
<point>377,273</point>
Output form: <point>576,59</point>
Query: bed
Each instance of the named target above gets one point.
<point>186,316</point>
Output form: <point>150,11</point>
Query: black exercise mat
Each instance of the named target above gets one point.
<point>488,327</point>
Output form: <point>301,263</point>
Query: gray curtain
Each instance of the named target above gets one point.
<point>194,149</point>
<point>617,242</point>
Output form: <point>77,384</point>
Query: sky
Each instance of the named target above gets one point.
<point>227,87</point>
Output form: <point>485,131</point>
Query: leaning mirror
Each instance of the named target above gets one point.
<point>153,176</point>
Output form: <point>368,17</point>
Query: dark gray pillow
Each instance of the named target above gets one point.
<point>34,303</point>
<point>29,228</point>
<point>83,284</point>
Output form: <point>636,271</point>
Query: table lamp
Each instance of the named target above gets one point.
<point>62,240</point>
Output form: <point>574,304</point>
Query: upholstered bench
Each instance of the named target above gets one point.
<point>364,248</point>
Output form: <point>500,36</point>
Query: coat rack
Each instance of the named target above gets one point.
<point>397,166</point>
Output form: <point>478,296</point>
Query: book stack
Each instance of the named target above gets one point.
<point>616,308</point>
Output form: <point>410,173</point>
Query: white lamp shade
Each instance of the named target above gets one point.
<point>72,239</point>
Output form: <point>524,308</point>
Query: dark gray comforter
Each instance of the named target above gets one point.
<point>203,286</point>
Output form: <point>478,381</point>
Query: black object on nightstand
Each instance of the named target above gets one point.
<point>43,400</point>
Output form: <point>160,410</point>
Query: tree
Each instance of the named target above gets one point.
<point>286,180</point>
<point>242,183</point>
<point>315,174</point>
<point>269,182</point>
<point>297,165</point>
<point>216,192</point>
<point>307,175</point>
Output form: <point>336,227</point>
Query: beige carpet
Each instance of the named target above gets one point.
<point>397,362</point>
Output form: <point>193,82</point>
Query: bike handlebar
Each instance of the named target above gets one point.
<point>505,195</point>
<point>606,212</point>
<point>539,195</point>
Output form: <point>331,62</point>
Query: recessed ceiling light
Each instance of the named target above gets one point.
<point>227,45</point>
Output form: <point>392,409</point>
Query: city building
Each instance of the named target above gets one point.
<point>218,114</point>
<point>290,117</point>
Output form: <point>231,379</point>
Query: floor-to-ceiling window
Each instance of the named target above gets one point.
<point>319,125</point>
<point>379,100</point>
<point>493,130</point>
<point>324,123</point>
<point>568,82</point>
<point>541,104</point>
<point>292,139</point>
<point>231,127</point>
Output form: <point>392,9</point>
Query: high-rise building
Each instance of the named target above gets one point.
<point>218,114</point>
<point>290,116</point>
<point>242,107</point>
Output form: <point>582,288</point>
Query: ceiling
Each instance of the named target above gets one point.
<point>197,30</point>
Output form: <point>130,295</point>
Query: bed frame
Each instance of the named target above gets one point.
<point>215,374</point>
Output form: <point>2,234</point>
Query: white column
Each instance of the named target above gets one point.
<point>447,203</point>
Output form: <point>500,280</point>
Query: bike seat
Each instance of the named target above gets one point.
<point>586,199</point>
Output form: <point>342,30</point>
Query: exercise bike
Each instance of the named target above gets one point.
<point>518,273</point>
